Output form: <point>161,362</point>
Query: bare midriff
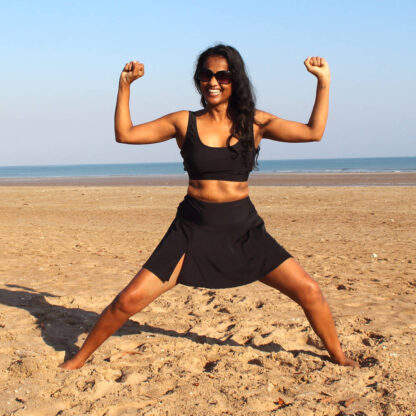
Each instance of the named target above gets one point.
<point>217,191</point>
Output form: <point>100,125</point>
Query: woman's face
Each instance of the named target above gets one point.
<point>214,92</point>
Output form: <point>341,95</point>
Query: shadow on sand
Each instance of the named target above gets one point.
<point>61,326</point>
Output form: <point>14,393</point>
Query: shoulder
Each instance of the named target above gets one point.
<point>179,120</point>
<point>263,122</point>
<point>178,117</point>
<point>263,118</point>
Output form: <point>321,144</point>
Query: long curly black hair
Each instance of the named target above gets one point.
<point>241,108</point>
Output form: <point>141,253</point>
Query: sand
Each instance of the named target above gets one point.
<point>256,178</point>
<point>66,251</point>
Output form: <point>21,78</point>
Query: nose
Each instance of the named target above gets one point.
<point>213,82</point>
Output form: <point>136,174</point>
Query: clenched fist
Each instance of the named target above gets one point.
<point>318,67</point>
<point>131,71</point>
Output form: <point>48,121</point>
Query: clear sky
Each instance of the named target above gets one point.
<point>60,63</point>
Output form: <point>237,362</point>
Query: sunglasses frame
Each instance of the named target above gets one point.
<point>212,74</point>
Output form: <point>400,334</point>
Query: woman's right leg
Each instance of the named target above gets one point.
<point>140,292</point>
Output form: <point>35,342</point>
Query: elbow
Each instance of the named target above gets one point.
<point>120,137</point>
<point>312,138</point>
<point>314,133</point>
<point>315,136</point>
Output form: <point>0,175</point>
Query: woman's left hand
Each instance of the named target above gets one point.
<point>318,67</point>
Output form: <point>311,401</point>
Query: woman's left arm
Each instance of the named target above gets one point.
<point>276,128</point>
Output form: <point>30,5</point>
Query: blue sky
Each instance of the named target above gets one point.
<point>60,63</point>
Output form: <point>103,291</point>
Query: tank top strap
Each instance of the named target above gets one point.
<point>191,132</point>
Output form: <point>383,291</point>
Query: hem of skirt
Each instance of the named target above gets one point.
<point>236,284</point>
<point>162,278</point>
<point>289,256</point>
<point>218,287</point>
<point>151,271</point>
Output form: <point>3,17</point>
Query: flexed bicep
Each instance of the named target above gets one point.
<point>279,129</point>
<point>156,131</point>
<point>164,128</point>
<point>276,128</point>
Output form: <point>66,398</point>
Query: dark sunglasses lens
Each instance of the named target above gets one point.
<point>205,75</point>
<point>223,77</point>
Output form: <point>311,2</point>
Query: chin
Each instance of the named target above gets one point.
<point>214,100</point>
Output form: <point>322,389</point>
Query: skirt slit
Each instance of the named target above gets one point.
<point>168,253</point>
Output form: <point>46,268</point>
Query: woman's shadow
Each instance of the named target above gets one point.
<point>61,326</point>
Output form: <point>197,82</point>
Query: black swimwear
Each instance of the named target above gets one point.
<point>225,243</point>
<point>207,162</point>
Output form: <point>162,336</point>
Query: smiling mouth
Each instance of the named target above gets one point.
<point>214,92</point>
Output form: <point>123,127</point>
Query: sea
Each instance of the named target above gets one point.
<point>375,164</point>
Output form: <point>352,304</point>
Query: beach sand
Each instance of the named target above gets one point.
<point>256,178</point>
<point>66,251</point>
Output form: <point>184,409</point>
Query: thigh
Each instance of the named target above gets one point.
<point>147,285</point>
<point>291,279</point>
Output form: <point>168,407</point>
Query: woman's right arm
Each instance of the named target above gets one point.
<point>156,131</point>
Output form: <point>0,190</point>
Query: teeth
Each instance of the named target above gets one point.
<point>216,92</point>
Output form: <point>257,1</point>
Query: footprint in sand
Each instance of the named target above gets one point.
<point>245,335</point>
<point>131,377</point>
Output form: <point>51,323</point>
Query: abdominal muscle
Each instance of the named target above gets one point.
<point>217,191</point>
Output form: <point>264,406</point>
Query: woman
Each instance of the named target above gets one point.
<point>217,238</point>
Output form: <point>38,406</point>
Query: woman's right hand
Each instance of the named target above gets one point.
<point>131,71</point>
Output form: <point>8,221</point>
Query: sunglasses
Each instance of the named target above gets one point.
<point>223,77</point>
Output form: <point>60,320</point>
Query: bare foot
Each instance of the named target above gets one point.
<point>72,364</point>
<point>344,360</point>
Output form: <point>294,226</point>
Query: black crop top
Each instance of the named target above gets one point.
<point>207,162</point>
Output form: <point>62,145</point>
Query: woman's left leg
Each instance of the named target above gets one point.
<point>292,280</point>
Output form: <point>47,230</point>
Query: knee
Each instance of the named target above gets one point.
<point>128,303</point>
<point>310,294</point>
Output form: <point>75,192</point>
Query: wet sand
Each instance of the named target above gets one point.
<point>67,250</point>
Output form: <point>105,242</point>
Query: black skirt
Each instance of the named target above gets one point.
<point>225,245</point>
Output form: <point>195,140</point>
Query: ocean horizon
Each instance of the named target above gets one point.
<point>336,165</point>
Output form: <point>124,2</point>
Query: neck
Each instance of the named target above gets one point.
<point>218,112</point>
